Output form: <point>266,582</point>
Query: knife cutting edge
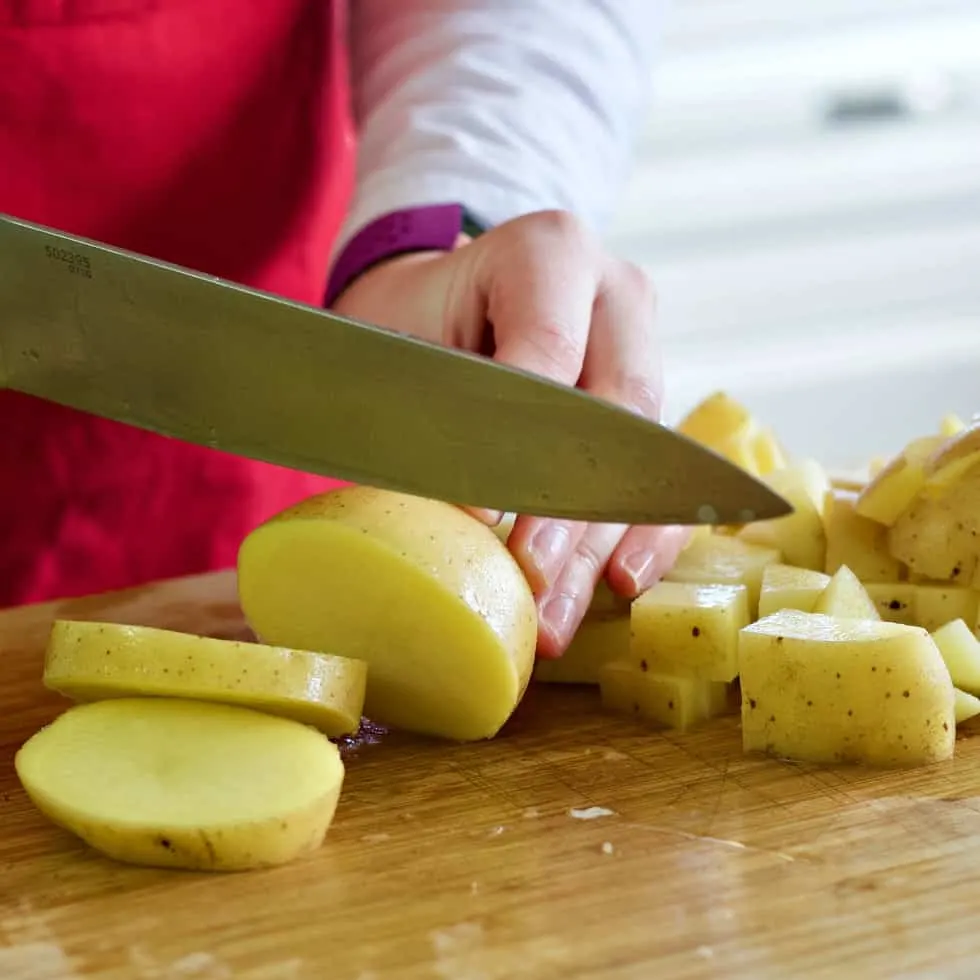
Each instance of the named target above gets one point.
<point>207,361</point>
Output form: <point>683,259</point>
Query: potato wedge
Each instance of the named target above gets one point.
<point>800,536</point>
<point>821,689</point>
<point>960,650</point>
<point>967,706</point>
<point>184,784</point>
<point>94,661</point>
<point>688,629</point>
<point>721,560</point>
<point>892,488</point>
<point>846,597</point>
<point>856,541</point>
<point>426,595</point>
<point>662,700</point>
<point>789,587</point>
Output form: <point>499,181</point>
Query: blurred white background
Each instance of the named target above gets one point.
<point>807,200</point>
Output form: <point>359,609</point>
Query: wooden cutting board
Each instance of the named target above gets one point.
<point>575,845</point>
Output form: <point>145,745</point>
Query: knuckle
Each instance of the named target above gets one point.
<point>565,226</point>
<point>641,393</point>
<point>557,348</point>
<point>589,557</point>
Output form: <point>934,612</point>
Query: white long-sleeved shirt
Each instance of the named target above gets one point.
<point>503,106</point>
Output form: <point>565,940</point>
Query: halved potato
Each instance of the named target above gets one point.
<point>93,661</point>
<point>426,595</point>
<point>184,784</point>
<point>827,690</point>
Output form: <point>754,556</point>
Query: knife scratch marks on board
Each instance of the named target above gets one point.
<point>733,845</point>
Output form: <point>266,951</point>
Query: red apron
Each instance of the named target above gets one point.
<point>212,133</point>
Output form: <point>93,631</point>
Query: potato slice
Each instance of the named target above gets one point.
<point>821,689</point>
<point>721,560</point>
<point>184,784</point>
<point>856,541</point>
<point>895,601</point>
<point>425,594</point>
<point>939,604</point>
<point>960,650</point>
<point>892,489</point>
<point>598,640</point>
<point>846,597</point>
<point>689,629</point>
<point>789,587</point>
<point>93,661</point>
<point>799,536</point>
<point>967,706</point>
<point>664,700</point>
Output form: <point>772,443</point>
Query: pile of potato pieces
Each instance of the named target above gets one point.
<point>879,569</point>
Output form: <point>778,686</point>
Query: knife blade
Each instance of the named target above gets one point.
<point>207,361</point>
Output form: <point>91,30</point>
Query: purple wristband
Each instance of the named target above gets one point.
<point>435,226</point>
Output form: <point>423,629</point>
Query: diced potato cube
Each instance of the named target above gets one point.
<point>821,689</point>
<point>660,699</point>
<point>856,541</point>
<point>687,628</point>
<point>892,489</point>
<point>895,601</point>
<point>721,560</point>
<point>597,641</point>
<point>846,597</point>
<point>769,454</point>
<point>939,604</point>
<point>967,706</point>
<point>715,419</point>
<point>799,536</point>
<point>789,587</point>
<point>960,651</point>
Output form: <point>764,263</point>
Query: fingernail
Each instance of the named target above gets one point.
<point>642,568</point>
<point>559,615</point>
<point>548,548</point>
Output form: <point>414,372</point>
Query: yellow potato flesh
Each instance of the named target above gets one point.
<point>960,650</point>
<point>184,784</point>
<point>789,587</point>
<point>427,596</point>
<point>92,661</point>
<point>688,629</point>
<point>846,597</point>
<point>597,641</point>
<point>967,706</point>
<point>856,541</point>
<point>895,485</point>
<point>937,605</point>
<point>663,700</point>
<point>720,560</point>
<point>895,601</point>
<point>821,689</point>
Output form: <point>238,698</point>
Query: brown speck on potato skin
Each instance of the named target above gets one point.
<point>779,639</point>
<point>945,726</point>
<point>955,572</point>
<point>772,718</point>
<point>752,703</point>
<point>850,712</point>
<point>906,694</point>
<point>670,705</point>
<point>643,665</point>
<point>896,604</point>
<point>809,704</point>
<point>695,631</point>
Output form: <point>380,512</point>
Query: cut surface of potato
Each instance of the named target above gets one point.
<point>789,587</point>
<point>715,419</point>
<point>721,560</point>
<point>951,425</point>
<point>894,486</point>
<point>938,535</point>
<point>598,640</point>
<point>426,595</point>
<point>846,597</point>
<point>184,784</point>
<point>937,605</point>
<point>92,661</point>
<point>856,541</point>
<point>960,650</point>
<point>687,628</point>
<point>967,706</point>
<point>663,700</point>
<point>895,601</point>
<point>821,689</point>
<point>800,536</point>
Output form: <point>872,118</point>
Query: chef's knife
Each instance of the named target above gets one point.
<point>207,361</point>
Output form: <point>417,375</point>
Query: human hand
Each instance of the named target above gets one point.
<point>539,293</point>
